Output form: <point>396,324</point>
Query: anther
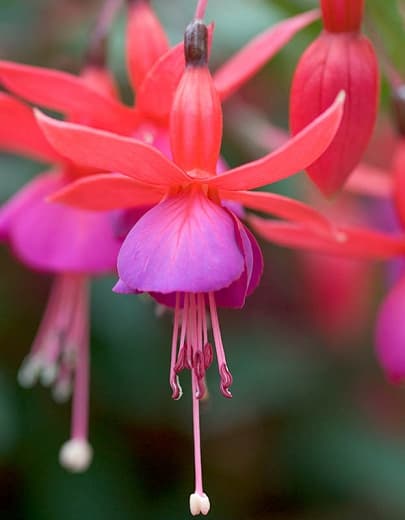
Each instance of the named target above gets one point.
<point>76,455</point>
<point>208,355</point>
<point>177,391</point>
<point>226,380</point>
<point>196,44</point>
<point>29,371</point>
<point>199,504</point>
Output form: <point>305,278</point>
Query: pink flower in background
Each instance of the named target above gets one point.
<point>188,250</point>
<point>341,58</point>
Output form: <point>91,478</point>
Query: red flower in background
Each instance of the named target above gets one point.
<point>341,58</point>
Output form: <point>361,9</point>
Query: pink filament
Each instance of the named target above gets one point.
<point>226,378</point>
<point>80,331</point>
<point>197,439</point>
<point>176,392</point>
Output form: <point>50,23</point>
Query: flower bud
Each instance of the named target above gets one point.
<point>340,60</point>
<point>196,116</point>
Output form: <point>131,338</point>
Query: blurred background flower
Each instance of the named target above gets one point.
<point>311,432</point>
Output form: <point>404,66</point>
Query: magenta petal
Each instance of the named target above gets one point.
<point>390,333</point>
<point>56,238</point>
<point>184,244</point>
<point>257,268</point>
<point>235,295</point>
<point>124,220</point>
<point>38,188</point>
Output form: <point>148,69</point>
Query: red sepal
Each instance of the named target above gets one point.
<point>146,41</point>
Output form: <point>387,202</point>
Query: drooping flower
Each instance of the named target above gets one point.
<point>341,58</point>
<point>65,242</point>
<point>363,243</point>
<point>188,250</point>
<point>72,243</point>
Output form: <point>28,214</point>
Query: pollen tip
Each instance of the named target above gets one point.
<point>48,374</point>
<point>61,391</point>
<point>76,455</point>
<point>29,371</point>
<point>199,504</point>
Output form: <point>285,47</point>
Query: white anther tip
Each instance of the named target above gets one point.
<point>76,455</point>
<point>29,371</point>
<point>199,504</point>
<point>48,374</point>
<point>61,391</point>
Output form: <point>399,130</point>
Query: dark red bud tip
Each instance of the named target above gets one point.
<point>196,44</point>
<point>398,99</point>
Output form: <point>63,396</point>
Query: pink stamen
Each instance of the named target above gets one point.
<point>81,381</point>
<point>226,378</point>
<point>174,380</point>
<point>200,9</point>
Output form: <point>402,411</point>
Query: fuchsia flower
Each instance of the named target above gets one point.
<point>66,242</point>
<point>76,243</point>
<point>341,58</point>
<point>364,243</point>
<point>188,250</point>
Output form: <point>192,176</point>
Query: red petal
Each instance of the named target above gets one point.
<point>106,192</point>
<point>155,95</point>
<point>109,152</point>
<point>350,242</point>
<point>245,63</point>
<point>369,180</point>
<point>146,41</point>
<point>278,205</point>
<point>295,155</point>
<point>67,94</point>
<point>19,131</point>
